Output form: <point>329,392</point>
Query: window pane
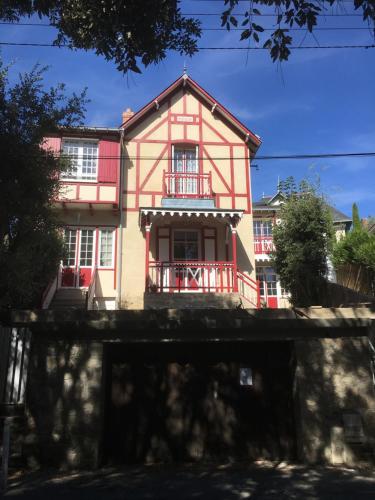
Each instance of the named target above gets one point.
<point>84,156</point>
<point>106,248</point>
<point>86,253</point>
<point>70,241</point>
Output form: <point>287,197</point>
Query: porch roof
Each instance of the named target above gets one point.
<point>231,216</point>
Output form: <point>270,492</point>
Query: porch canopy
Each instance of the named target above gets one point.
<point>231,217</point>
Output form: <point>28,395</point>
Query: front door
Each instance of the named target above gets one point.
<point>79,258</point>
<point>187,276</point>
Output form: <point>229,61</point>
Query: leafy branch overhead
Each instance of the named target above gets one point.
<point>131,32</point>
<point>288,13</point>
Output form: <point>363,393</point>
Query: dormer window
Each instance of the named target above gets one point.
<point>84,159</point>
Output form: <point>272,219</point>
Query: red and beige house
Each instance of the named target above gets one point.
<point>159,207</point>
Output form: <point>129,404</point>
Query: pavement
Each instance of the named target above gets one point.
<point>260,481</point>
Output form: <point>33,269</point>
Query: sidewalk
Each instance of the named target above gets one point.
<point>231,482</point>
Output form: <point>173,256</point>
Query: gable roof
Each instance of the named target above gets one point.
<point>183,81</point>
<point>265,203</point>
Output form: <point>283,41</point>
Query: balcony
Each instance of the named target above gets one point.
<point>263,245</point>
<point>187,185</point>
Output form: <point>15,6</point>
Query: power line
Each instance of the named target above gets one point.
<point>334,28</point>
<point>60,46</point>
<point>305,156</point>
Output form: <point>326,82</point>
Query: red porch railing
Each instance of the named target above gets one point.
<point>198,276</point>
<point>249,289</point>
<point>187,185</point>
<point>263,244</point>
<point>192,276</point>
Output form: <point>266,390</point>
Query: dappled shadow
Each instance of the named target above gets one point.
<point>225,482</point>
<point>63,403</point>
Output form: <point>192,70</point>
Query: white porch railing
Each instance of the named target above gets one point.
<point>263,244</point>
<point>51,289</point>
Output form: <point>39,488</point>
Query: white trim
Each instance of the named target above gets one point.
<point>191,211</point>
<point>79,142</point>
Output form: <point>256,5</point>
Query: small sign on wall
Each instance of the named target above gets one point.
<point>246,377</point>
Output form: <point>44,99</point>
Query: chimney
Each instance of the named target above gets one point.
<point>126,115</point>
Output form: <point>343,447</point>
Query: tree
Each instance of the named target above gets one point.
<point>302,240</point>
<point>30,242</point>
<point>128,31</point>
<point>357,247</point>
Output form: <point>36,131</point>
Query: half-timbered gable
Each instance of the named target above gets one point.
<point>186,188</point>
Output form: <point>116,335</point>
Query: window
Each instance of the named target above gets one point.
<point>185,159</point>
<point>106,247</point>
<point>262,228</point>
<point>266,275</point>
<point>70,242</point>
<point>84,159</point>
<point>87,248</point>
<point>186,245</point>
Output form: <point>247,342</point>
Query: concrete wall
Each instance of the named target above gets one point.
<point>333,382</point>
<point>63,400</point>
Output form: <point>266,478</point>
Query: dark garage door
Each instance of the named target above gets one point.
<point>201,402</point>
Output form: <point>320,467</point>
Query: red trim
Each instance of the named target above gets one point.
<point>248,184</point>
<point>232,176</point>
<point>137,174</point>
<point>234,255</point>
<point>155,127</point>
<point>184,81</point>
<point>216,170</point>
<point>153,168</point>
<point>225,141</point>
<point>115,257</point>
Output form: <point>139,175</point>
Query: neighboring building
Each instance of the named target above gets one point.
<point>174,215</point>
<point>266,213</point>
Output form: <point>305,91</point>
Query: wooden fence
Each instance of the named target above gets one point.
<point>356,277</point>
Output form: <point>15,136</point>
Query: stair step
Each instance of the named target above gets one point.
<point>191,300</point>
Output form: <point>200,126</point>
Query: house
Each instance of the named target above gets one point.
<point>159,209</point>
<point>266,213</point>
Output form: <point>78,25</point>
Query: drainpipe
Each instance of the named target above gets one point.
<point>119,240</point>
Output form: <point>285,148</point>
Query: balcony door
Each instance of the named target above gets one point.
<point>268,286</point>
<point>185,168</point>
<point>186,251</point>
<point>79,258</point>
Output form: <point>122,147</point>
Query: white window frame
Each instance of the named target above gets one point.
<point>113,230</point>
<point>78,174</point>
<point>78,263</point>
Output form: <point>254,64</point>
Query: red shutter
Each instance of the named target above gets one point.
<point>109,161</point>
<point>52,143</point>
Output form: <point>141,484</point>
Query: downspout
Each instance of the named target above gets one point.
<point>119,247</point>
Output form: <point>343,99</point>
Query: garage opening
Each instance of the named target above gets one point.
<point>198,402</point>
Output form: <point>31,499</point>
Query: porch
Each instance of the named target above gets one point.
<point>193,252</point>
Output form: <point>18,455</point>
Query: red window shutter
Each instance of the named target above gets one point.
<point>109,161</point>
<point>52,143</point>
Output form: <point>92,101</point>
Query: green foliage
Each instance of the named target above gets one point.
<point>357,247</point>
<point>124,32</point>
<point>288,14</point>
<point>302,240</point>
<point>30,245</point>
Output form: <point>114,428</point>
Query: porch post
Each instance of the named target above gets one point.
<point>147,259</point>
<point>234,256</point>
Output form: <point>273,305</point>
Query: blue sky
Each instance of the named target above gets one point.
<point>321,101</point>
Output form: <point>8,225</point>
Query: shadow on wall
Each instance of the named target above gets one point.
<point>63,403</point>
<point>335,401</point>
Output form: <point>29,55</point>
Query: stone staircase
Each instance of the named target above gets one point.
<point>69,298</point>
<point>189,300</point>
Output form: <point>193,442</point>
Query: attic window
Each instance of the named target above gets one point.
<point>83,155</point>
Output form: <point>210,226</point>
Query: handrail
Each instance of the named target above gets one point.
<point>51,289</point>
<point>251,284</point>
<point>90,294</point>
<point>187,184</point>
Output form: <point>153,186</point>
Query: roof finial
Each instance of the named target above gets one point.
<point>185,69</point>
<point>278,184</point>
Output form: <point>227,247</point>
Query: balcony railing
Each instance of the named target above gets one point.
<point>197,276</point>
<point>263,244</point>
<point>187,185</point>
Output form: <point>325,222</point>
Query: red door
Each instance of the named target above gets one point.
<point>268,286</point>
<point>187,276</point>
<point>79,258</point>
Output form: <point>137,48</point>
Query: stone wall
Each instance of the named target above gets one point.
<point>64,403</point>
<point>334,401</point>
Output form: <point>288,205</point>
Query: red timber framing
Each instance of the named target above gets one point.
<point>245,146</point>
